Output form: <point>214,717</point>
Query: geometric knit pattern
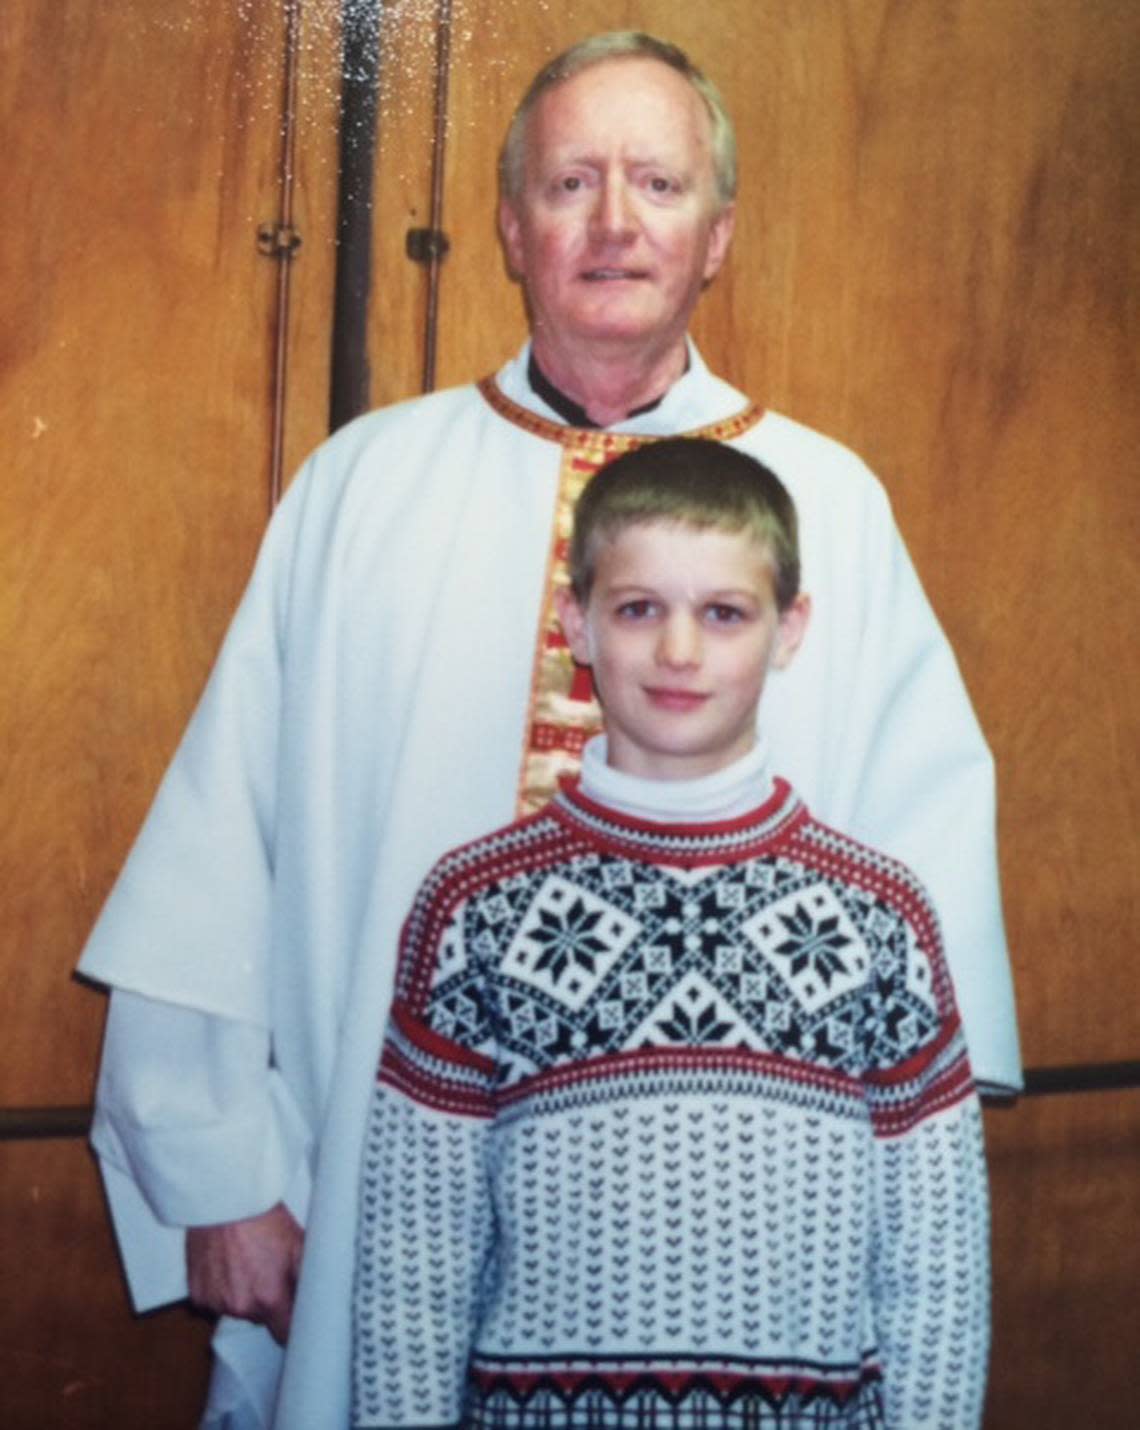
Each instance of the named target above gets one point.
<point>674,1126</point>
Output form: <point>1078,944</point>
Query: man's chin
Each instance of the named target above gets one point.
<point>621,322</point>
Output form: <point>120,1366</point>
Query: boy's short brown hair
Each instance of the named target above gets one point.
<point>689,481</point>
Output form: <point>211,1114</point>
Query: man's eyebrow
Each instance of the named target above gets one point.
<point>556,159</point>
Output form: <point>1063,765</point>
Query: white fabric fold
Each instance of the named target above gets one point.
<point>367,713</point>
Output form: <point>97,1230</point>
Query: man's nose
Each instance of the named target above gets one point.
<point>613,218</point>
<point>679,642</point>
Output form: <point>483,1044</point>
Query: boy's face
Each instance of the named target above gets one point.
<point>681,628</point>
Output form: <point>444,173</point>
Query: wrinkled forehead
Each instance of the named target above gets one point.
<point>634,98</point>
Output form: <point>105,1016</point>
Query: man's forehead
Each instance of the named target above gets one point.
<point>565,122</point>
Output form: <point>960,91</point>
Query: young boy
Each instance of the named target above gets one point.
<point>674,1125</point>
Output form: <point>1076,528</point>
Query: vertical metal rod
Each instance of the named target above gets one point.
<point>438,154</point>
<point>284,254</point>
<point>349,387</point>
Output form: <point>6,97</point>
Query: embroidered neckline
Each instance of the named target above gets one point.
<point>686,844</point>
<point>595,439</point>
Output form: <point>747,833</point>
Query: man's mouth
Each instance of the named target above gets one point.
<point>612,275</point>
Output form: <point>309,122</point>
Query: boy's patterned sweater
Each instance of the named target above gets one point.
<point>674,1127</point>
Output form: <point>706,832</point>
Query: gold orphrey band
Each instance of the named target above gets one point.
<point>563,713</point>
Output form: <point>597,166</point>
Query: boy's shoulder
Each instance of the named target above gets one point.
<point>512,848</point>
<point>849,858</point>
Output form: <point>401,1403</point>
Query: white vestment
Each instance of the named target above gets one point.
<point>366,713</point>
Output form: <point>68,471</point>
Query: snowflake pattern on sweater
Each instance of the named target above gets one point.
<point>674,1127</point>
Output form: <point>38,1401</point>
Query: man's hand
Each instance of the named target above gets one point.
<point>248,1268</point>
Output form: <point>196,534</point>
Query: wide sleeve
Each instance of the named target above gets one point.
<point>425,1226</point>
<point>193,1125</point>
<point>930,1267</point>
<point>188,921</point>
<point>190,1114</point>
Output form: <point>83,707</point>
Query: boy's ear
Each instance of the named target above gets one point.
<point>791,631</point>
<point>572,619</point>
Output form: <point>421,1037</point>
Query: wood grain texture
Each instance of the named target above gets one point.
<point>142,153</point>
<point>1065,1185</point>
<point>402,198</point>
<point>71,1355</point>
<point>314,203</point>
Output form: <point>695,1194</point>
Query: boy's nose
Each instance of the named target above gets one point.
<point>679,644</point>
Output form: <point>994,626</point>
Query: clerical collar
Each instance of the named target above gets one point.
<point>569,410</point>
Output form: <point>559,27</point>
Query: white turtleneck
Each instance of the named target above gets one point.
<point>737,789</point>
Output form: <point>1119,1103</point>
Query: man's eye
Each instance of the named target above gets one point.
<point>661,185</point>
<point>570,184</point>
<point>636,610</point>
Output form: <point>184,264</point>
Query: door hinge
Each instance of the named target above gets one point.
<point>426,245</point>
<point>278,240</point>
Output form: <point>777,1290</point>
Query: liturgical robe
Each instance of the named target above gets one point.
<point>375,699</point>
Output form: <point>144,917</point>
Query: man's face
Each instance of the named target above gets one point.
<point>681,628</point>
<point>618,225</point>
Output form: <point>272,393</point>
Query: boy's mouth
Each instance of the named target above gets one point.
<point>667,698</point>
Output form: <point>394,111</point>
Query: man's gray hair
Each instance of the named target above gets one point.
<point>620,44</point>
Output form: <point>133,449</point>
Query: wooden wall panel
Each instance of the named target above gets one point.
<point>143,150</point>
<point>402,201</point>
<point>71,1358</point>
<point>143,147</point>
<point>1065,1184</point>
<point>313,269</point>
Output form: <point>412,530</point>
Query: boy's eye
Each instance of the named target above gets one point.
<point>639,610</point>
<point>721,614</point>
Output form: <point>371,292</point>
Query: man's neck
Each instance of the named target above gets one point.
<point>608,388</point>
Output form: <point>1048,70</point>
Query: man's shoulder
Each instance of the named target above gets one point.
<point>395,451</point>
<point>397,420</point>
<point>781,440</point>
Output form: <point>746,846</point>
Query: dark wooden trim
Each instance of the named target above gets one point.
<point>350,382</point>
<point>438,250</point>
<point>1082,1077</point>
<point>22,1124</point>
<point>284,249</point>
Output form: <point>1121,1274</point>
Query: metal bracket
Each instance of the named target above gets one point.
<point>426,245</point>
<point>278,240</point>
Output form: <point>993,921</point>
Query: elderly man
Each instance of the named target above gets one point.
<point>393,684</point>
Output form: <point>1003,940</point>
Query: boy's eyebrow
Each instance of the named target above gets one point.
<point>719,593</point>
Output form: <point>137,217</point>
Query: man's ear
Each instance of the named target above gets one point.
<point>791,631</point>
<point>720,236</point>
<point>572,619</point>
<point>510,230</point>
